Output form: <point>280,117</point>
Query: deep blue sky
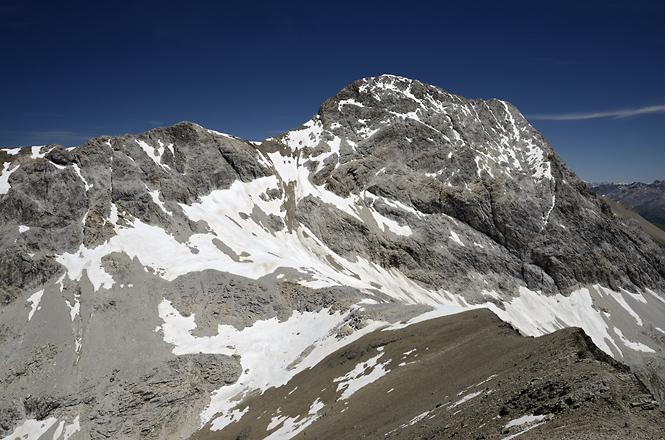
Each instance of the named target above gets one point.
<point>589,75</point>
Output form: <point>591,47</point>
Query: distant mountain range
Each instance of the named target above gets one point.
<point>648,199</point>
<point>406,264</point>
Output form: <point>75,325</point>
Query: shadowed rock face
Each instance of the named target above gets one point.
<point>125,262</point>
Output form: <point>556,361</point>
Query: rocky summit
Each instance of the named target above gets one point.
<point>406,264</point>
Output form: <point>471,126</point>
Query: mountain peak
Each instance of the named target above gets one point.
<point>427,129</point>
<point>185,265</point>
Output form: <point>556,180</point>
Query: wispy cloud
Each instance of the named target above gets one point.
<point>614,114</point>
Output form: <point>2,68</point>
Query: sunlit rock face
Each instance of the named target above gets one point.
<point>152,284</point>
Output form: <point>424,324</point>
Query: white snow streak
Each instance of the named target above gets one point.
<point>4,177</point>
<point>637,346</point>
<point>34,300</point>
<point>524,420</point>
<point>522,432</point>
<point>154,153</point>
<point>454,237</point>
<point>291,426</point>
<point>349,101</point>
<point>85,182</point>
<point>466,398</point>
<point>358,378</point>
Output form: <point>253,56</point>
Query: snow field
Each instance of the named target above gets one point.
<point>535,314</point>
<point>271,353</point>
<point>227,212</point>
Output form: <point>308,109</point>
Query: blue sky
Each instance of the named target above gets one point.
<point>587,74</point>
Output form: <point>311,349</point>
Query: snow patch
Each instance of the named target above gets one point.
<point>416,419</point>
<point>32,429</point>
<point>535,314</point>
<point>154,153</point>
<point>34,300</point>
<point>349,101</point>
<point>357,378</point>
<point>74,308</point>
<point>66,431</point>
<point>466,398</point>
<point>309,134</point>
<point>291,426</point>
<point>214,132</point>
<point>454,237</point>
<point>546,217</point>
<point>35,152</point>
<point>155,198</point>
<point>524,420</point>
<point>618,297</point>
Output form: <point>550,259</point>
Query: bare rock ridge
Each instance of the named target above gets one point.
<point>153,284</point>
<point>465,376</point>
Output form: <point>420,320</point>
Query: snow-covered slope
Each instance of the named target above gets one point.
<point>191,267</point>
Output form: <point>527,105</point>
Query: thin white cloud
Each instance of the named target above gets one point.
<point>615,114</point>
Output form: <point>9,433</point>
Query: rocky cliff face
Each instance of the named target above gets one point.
<point>166,277</point>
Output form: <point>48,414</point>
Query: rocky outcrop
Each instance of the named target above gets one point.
<point>479,162</point>
<point>65,197</point>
